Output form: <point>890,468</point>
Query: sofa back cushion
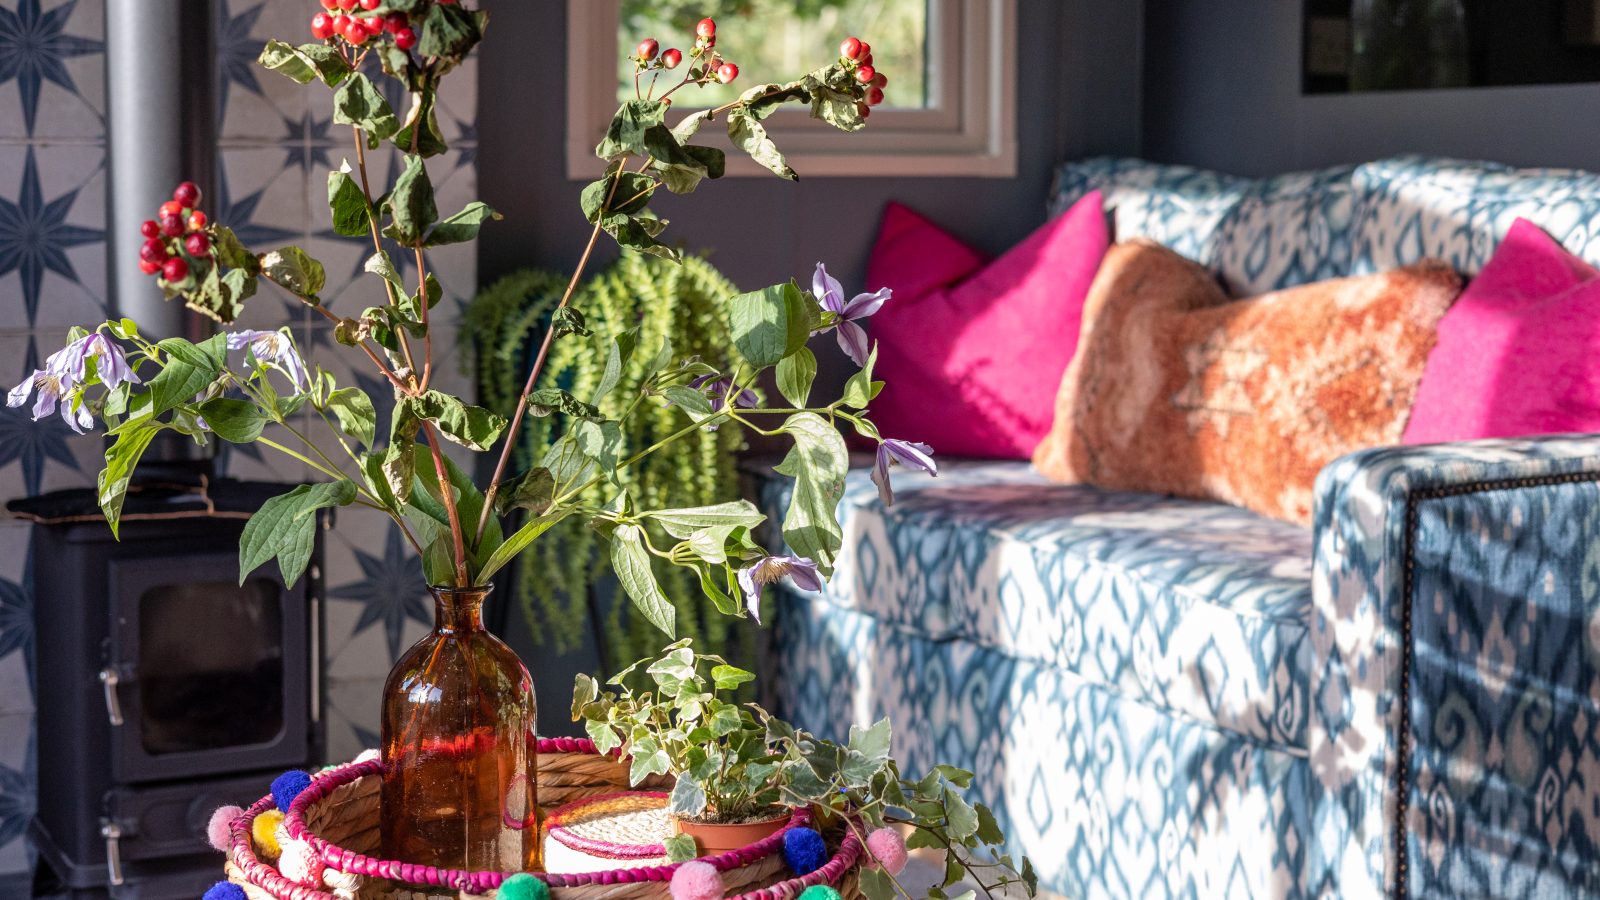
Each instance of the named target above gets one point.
<point>1176,389</point>
<point>972,366</point>
<point>1179,207</point>
<point>1415,207</point>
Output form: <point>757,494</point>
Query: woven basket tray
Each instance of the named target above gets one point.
<point>338,817</point>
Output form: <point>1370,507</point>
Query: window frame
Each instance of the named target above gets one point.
<point>968,130</point>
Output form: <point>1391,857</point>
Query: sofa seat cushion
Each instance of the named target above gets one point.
<point>1190,606</point>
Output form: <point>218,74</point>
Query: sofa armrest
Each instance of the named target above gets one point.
<point>1456,682</point>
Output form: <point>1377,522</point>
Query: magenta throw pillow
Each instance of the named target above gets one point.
<point>1516,354</point>
<point>973,366</point>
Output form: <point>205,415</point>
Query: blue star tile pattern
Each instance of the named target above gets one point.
<point>306,142</point>
<point>390,591</point>
<point>35,235</point>
<point>16,623</point>
<point>17,796</point>
<point>34,47</point>
<point>236,52</point>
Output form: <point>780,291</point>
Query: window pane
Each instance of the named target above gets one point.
<point>780,40</point>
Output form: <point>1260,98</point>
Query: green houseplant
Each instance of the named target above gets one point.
<point>736,762</point>
<point>682,302</point>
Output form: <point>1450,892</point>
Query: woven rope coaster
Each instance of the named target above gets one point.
<point>609,831</point>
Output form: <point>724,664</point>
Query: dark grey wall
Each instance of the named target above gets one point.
<point>1222,90</point>
<point>1078,94</point>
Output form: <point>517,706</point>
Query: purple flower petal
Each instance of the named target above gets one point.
<point>880,477</point>
<point>864,305</point>
<point>853,341</point>
<point>827,289</point>
<point>912,454</point>
<point>19,394</point>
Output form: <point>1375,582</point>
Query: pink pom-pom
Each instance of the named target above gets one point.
<point>696,880</point>
<point>217,828</point>
<point>888,847</point>
<point>300,864</point>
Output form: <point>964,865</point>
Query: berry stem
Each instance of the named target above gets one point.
<point>544,351</point>
<point>372,229</point>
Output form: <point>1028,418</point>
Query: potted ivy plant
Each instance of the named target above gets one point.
<point>681,722</point>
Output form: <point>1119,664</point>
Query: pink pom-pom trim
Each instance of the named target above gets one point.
<point>217,828</point>
<point>888,847</point>
<point>696,880</point>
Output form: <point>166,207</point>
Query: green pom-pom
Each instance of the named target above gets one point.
<point>523,886</point>
<point>820,892</point>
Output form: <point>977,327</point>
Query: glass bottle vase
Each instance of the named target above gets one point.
<point>459,748</point>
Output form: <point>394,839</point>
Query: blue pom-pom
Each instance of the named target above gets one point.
<point>288,786</point>
<point>804,850</point>
<point>224,890</point>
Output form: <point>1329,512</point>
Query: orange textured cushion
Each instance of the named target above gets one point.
<point>1176,389</point>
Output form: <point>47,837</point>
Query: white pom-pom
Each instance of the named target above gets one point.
<point>300,864</point>
<point>367,756</point>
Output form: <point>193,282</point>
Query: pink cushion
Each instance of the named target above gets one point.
<point>1516,353</point>
<point>973,368</point>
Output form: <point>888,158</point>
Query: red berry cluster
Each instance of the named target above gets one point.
<point>344,19</point>
<point>176,236</point>
<point>649,55</point>
<point>857,57</point>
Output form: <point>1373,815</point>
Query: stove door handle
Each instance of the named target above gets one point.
<point>109,680</point>
<point>112,832</point>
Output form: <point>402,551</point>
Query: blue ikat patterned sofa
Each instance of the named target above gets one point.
<point>1169,698</point>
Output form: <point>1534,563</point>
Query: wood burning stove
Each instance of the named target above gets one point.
<point>166,686</point>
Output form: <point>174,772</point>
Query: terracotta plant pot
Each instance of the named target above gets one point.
<point>718,839</point>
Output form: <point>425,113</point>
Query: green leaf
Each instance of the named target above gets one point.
<point>352,217</point>
<point>961,817</point>
<point>988,829</point>
<point>872,743</point>
<point>532,491</point>
<point>718,597</point>
<point>381,265</point>
<point>516,543</point>
<point>282,58</point>
<point>469,426</point>
<point>728,677</point>
<point>768,324</point>
<point>411,204</point>
<point>296,272</point>
<point>638,233</point>
<point>632,195</point>
<point>547,401</point>
<point>795,375</point>
<point>420,133</point>
<point>688,798</point>
<point>121,459</point>
<point>285,528</point>
<point>682,168</point>
<point>690,401</point>
<point>749,135</point>
<point>631,561</point>
<point>569,320</point>
<point>359,102</point>
<point>222,296</point>
<point>354,411</point>
<point>680,848</point>
<point>330,64</point>
<point>627,130</point>
<point>876,884</point>
<point>448,30</point>
<point>682,523</point>
<point>235,421</point>
<point>230,252</point>
<point>858,390</point>
<point>656,762</point>
<point>836,108</point>
<point>817,463</point>
<point>190,369</point>
<point>463,226</point>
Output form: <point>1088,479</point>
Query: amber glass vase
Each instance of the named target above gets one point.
<point>459,752</point>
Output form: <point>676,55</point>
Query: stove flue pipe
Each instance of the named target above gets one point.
<point>160,93</point>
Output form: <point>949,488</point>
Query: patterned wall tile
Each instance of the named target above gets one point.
<point>52,235</point>
<point>378,603</point>
<point>52,83</point>
<point>256,104</point>
<point>16,620</point>
<point>352,716</point>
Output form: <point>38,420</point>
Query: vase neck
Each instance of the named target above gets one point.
<point>459,609</point>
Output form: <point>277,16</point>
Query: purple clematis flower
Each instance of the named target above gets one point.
<point>852,337</point>
<point>111,364</point>
<point>717,390</point>
<point>276,349</point>
<point>769,569</point>
<point>55,389</point>
<point>893,453</point>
